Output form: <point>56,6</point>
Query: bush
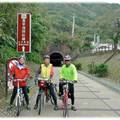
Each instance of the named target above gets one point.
<point>78,66</point>
<point>35,57</point>
<point>7,53</point>
<point>100,70</point>
<point>92,68</point>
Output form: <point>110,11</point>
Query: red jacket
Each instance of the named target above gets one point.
<point>20,74</point>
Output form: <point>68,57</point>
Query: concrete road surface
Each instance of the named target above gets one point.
<point>91,100</point>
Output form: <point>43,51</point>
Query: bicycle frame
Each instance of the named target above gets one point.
<point>45,89</point>
<point>65,95</point>
<point>41,91</point>
<point>19,98</point>
<point>65,98</point>
<point>19,94</point>
<point>46,81</point>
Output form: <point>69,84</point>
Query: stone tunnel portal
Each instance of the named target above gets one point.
<point>56,59</point>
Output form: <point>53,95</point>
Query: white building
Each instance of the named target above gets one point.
<point>103,47</point>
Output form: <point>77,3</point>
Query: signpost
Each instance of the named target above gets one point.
<point>24,32</point>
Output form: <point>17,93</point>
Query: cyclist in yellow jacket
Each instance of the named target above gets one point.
<point>46,71</point>
<point>68,72</point>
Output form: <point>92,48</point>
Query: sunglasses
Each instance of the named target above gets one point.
<point>67,60</point>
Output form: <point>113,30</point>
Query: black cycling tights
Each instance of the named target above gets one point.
<point>24,89</point>
<point>71,91</point>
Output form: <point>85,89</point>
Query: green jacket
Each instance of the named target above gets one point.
<point>68,73</point>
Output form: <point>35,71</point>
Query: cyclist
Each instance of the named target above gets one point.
<point>68,72</point>
<point>46,71</point>
<point>20,71</point>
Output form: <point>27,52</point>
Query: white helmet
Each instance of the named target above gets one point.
<point>46,56</point>
<point>22,56</point>
<point>67,57</point>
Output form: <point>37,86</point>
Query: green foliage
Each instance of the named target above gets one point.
<point>52,25</point>
<point>92,68</point>
<point>39,31</point>
<point>7,40</point>
<point>100,70</point>
<point>104,25</point>
<point>8,29</point>
<point>34,57</point>
<point>7,53</point>
<point>86,46</point>
<point>2,73</point>
<point>78,65</point>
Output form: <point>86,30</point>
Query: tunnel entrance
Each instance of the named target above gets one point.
<point>56,59</point>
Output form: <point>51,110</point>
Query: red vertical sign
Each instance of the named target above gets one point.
<point>24,32</point>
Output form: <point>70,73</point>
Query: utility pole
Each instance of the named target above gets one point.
<point>73,26</point>
<point>98,39</point>
<point>117,34</point>
<point>94,38</point>
<point>118,25</point>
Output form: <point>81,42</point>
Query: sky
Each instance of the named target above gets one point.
<point>66,1</point>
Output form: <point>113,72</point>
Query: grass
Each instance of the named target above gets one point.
<point>113,64</point>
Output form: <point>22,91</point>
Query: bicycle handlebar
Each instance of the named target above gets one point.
<point>18,80</point>
<point>44,79</point>
<point>67,81</point>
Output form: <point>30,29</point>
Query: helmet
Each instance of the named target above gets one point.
<point>67,57</point>
<point>22,56</point>
<point>46,56</point>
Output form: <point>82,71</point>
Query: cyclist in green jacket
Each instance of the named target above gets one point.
<point>68,72</point>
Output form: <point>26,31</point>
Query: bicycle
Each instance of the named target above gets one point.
<point>19,101</point>
<point>65,96</point>
<point>43,91</point>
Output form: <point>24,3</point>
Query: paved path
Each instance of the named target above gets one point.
<point>92,100</point>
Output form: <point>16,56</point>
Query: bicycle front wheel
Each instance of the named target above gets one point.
<point>18,107</point>
<point>65,110</point>
<point>41,103</point>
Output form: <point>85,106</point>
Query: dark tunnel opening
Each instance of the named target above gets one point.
<point>56,59</point>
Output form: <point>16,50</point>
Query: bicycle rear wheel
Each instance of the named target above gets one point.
<point>51,99</point>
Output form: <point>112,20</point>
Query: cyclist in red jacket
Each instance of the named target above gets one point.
<point>20,71</point>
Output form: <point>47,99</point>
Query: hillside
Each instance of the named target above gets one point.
<point>52,24</point>
<point>87,16</point>
<point>113,64</point>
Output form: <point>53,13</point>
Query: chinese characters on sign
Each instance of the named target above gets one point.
<point>24,32</point>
